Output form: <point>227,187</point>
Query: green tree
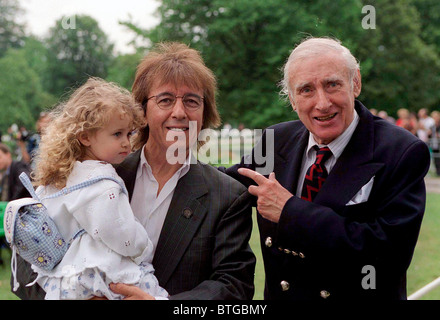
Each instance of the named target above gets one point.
<point>36,54</point>
<point>429,12</point>
<point>402,70</point>
<point>11,32</point>
<point>78,49</point>
<point>123,69</point>
<point>246,43</point>
<point>21,94</point>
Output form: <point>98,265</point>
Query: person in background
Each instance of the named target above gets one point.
<point>406,120</point>
<point>384,115</point>
<point>435,141</point>
<point>11,186</point>
<point>33,141</point>
<point>426,124</point>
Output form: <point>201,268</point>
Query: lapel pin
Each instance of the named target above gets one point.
<point>187,213</point>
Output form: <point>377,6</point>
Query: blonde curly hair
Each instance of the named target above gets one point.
<point>89,108</point>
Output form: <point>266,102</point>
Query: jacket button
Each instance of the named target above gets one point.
<point>268,242</point>
<point>285,285</point>
<point>324,294</point>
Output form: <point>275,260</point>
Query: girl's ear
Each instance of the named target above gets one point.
<point>84,138</point>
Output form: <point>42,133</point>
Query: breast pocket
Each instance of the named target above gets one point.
<point>359,212</point>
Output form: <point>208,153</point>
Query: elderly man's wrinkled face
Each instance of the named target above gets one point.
<point>322,95</point>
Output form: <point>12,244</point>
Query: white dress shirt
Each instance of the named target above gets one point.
<point>337,146</point>
<point>148,207</point>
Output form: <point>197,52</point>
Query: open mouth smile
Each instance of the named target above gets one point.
<point>326,118</point>
<point>177,129</point>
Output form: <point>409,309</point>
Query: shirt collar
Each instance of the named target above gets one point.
<point>181,172</point>
<point>338,145</point>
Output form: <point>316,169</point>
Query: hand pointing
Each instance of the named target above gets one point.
<point>272,196</point>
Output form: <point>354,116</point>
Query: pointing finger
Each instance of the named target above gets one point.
<point>257,177</point>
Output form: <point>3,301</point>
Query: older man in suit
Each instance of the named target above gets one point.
<point>341,209</point>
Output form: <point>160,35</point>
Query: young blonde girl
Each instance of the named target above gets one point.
<point>89,133</point>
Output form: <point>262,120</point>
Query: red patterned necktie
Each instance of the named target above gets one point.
<point>316,174</point>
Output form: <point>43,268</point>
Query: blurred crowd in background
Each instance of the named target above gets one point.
<point>23,142</point>
<point>423,124</point>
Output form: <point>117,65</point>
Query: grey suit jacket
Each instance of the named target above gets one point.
<point>203,250</point>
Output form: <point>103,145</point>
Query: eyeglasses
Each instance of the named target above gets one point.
<point>166,101</point>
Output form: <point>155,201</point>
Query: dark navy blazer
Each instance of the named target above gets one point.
<point>326,249</point>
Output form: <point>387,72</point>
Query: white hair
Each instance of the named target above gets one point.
<point>314,47</point>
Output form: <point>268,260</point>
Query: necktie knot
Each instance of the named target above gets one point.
<point>316,174</point>
<point>322,154</point>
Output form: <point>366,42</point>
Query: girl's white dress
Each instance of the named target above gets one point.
<point>114,248</point>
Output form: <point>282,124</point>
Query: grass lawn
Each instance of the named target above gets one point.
<point>425,266</point>
<point>5,276</point>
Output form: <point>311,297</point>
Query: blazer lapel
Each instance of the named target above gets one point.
<point>354,167</point>
<point>183,219</point>
<point>287,167</point>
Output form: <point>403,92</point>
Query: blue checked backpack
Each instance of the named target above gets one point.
<point>31,232</point>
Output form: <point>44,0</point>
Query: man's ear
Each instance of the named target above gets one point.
<point>84,138</point>
<point>357,84</point>
<point>292,102</point>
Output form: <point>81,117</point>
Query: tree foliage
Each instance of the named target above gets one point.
<point>123,69</point>
<point>12,33</point>
<point>38,72</point>
<point>246,43</point>
<point>77,50</point>
<point>21,92</point>
<point>403,70</point>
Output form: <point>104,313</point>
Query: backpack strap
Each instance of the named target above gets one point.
<point>28,185</point>
<point>67,190</point>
